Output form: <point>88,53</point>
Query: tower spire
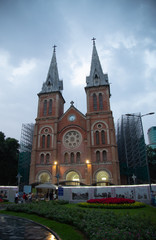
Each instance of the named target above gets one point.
<point>52,83</point>
<point>54,47</point>
<point>93,39</point>
<point>96,77</point>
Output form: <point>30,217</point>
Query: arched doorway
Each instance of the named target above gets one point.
<point>102,178</point>
<point>72,178</point>
<point>44,177</point>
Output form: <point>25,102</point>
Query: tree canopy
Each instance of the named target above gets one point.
<point>9,153</point>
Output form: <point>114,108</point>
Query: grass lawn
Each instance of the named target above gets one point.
<point>96,224</point>
<point>64,231</point>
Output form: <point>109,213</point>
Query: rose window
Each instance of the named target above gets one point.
<point>72,139</point>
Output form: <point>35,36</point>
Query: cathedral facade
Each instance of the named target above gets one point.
<point>70,148</point>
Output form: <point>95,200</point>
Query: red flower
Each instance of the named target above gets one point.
<point>111,201</point>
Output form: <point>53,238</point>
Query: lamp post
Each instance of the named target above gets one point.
<point>133,177</point>
<point>140,116</point>
<point>89,171</point>
<point>57,172</point>
<point>57,176</point>
<point>18,178</point>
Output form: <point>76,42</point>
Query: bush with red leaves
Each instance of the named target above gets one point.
<point>111,201</point>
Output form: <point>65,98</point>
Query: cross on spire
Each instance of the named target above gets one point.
<point>54,48</point>
<point>72,103</point>
<point>93,39</point>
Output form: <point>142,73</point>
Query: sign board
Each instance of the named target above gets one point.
<point>60,191</point>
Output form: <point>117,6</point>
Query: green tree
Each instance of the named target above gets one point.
<point>151,156</point>
<point>9,153</point>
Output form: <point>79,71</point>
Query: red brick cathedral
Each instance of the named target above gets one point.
<point>69,147</point>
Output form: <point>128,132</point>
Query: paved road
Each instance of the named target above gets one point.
<point>14,228</point>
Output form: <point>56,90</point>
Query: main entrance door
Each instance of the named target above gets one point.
<point>72,178</point>
<point>102,178</point>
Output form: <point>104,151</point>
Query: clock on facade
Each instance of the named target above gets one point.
<point>72,117</point>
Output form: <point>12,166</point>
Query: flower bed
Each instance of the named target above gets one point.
<point>112,206</point>
<point>112,201</point>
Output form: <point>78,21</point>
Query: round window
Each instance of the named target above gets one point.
<point>72,139</point>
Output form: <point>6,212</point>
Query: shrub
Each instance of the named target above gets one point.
<point>112,206</point>
<point>111,201</point>
<point>97,225</point>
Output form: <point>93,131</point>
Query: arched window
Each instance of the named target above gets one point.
<point>66,157</point>
<point>104,156</point>
<point>44,177</point>
<point>97,137</point>
<point>50,107</point>
<point>48,141</point>
<point>102,178</point>
<point>97,156</point>
<point>100,101</point>
<point>72,157</point>
<point>47,158</point>
<point>96,76</point>
<point>45,108</point>
<point>43,141</point>
<point>78,157</point>
<point>42,158</point>
<point>73,178</point>
<point>103,136</point>
<point>94,101</point>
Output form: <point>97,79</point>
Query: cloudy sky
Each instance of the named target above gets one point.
<point>125,32</point>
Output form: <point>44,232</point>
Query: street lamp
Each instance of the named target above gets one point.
<point>57,176</point>
<point>140,116</point>
<point>133,177</point>
<point>19,178</point>
<point>57,173</point>
<point>129,114</point>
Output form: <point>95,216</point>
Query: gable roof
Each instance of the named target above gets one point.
<point>75,109</point>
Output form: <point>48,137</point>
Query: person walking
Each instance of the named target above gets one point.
<point>16,197</point>
<point>24,197</point>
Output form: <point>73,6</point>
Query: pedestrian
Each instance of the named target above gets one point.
<point>51,195</point>
<point>16,197</point>
<point>30,197</point>
<point>54,196</point>
<point>24,197</point>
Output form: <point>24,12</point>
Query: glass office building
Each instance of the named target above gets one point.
<point>152,136</point>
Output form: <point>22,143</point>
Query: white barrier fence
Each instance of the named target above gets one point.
<point>8,192</point>
<point>74,194</point>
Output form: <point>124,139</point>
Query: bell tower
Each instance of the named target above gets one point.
<point>51,102</point>
<point>98,88</point>
<point>102,147</point>
<point>50,109</point>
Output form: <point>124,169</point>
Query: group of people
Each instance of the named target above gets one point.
<point>25,197</point>
<point>50,195</point>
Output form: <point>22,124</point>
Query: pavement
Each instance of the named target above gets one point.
<point>15,228</point>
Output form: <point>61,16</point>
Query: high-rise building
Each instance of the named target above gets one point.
<point>152,136</point>
<point>69,147</point>
<point>132,149</point>
<point>25,152</point>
